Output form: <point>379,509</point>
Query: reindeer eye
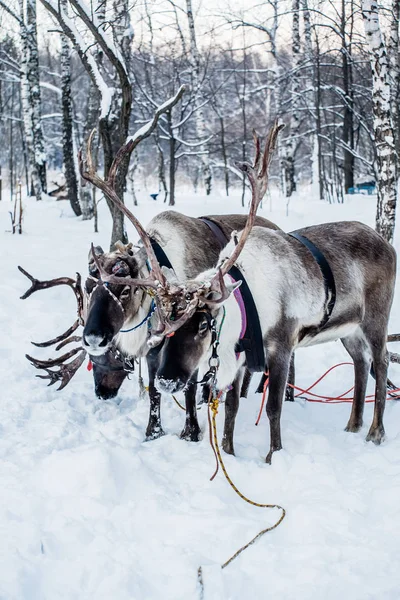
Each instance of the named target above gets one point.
<point>203,327</point>
<point>125,292</point>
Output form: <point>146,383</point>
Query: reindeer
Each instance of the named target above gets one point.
<point>119,316</point>
<point>201,318</point>
<point>118,308</point>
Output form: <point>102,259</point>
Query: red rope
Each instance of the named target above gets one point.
<point>311,397</point>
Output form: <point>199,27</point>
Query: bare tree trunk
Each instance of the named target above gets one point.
<point>291,142</point>
<point>386,159</point>
<point>199,98</point>
<point>85,191</point>
<point>67,127</point>
<point>318,105</point>
<point>224,155</point>
<point>34,185</point>
<point>348,127</point>
<point>394,70</point>
<point>310,93</point>
<point>161,168</point>
<point>30,73</point>
<point>172,164</point>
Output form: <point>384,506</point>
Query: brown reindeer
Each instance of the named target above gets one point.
<point>120,310</point>
<point>201,318</point>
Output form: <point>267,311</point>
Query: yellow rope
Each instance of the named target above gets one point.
<point>214,409</point>
<point>178,403</point>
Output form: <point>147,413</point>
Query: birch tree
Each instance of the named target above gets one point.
<point>386,159</point>
<point>290,144</point>
<point>199,98</point>
<point>67,126</point>
<point>30,92</point>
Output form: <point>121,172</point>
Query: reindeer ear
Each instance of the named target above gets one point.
<point>98,251</point>
<point>213,297</point>
<point>169,275</point>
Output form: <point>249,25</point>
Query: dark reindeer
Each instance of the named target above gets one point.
<point>293,302</point>
<point>120,309</point>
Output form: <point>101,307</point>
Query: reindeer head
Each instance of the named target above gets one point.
<point>112,306</point>
<point>196,312</point>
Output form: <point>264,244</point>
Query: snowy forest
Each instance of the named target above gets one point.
<point>328,69</point>
<point>213,412</point>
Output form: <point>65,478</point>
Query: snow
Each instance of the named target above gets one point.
<point>89,510</point>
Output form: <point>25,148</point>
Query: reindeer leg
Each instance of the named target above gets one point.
<point>358,348</point>
<point>376,433</point>
<point>245,384</point>
<point>154,429</point>
<point>191,432</point>
<point>278,374</point>
<point>289,393</point>
<point>231,408</point>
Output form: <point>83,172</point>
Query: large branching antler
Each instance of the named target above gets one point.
<point>107,186</point>
<point>258,177</point>
<point>74,284</point>
<point>257,174</point>
<point>66,371</point>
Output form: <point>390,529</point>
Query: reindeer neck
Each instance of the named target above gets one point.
<point>228,337</point>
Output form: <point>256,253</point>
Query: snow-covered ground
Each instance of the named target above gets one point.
<point>89,510</point>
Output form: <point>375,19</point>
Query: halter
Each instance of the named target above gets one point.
<point>117,300</point>
<point>147,317</point>
<point>107,288</point>
<point>213,361</point>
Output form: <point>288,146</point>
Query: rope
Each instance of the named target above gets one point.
<point>309,396</point>
<point>178,403</point>
<point>213,405</point>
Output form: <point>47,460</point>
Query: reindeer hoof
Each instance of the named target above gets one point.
<point>353,427</point>
<point>289,394</point>
<point>227,446</point>
<point>191,433</point>
<point>153,434</point>
<point>376,435</point>
<point>270,453</point>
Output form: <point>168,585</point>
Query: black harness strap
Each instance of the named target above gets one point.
<point>216,230</point>
<point>252,342</point>
<point>162,258</point>
<point>329,280</point>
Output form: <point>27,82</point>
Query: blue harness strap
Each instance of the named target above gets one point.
<point>147,317</point>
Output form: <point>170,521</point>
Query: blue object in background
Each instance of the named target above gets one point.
<point>368,186</point>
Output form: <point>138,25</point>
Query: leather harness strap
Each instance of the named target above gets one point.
<point>251,341</point>
<point>216,230</point>
<point>329,280</point>
<point>162,258</point>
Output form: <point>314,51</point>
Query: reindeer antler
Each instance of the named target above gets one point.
<point>68,370</point>
<point>258,178</point>
<point>65,372</point>
<point>74,284</point>
<point>107,186</point>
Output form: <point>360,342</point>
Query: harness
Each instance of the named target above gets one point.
<point>251,339</point>
<point>126,364</point>
<point>327,275</point>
